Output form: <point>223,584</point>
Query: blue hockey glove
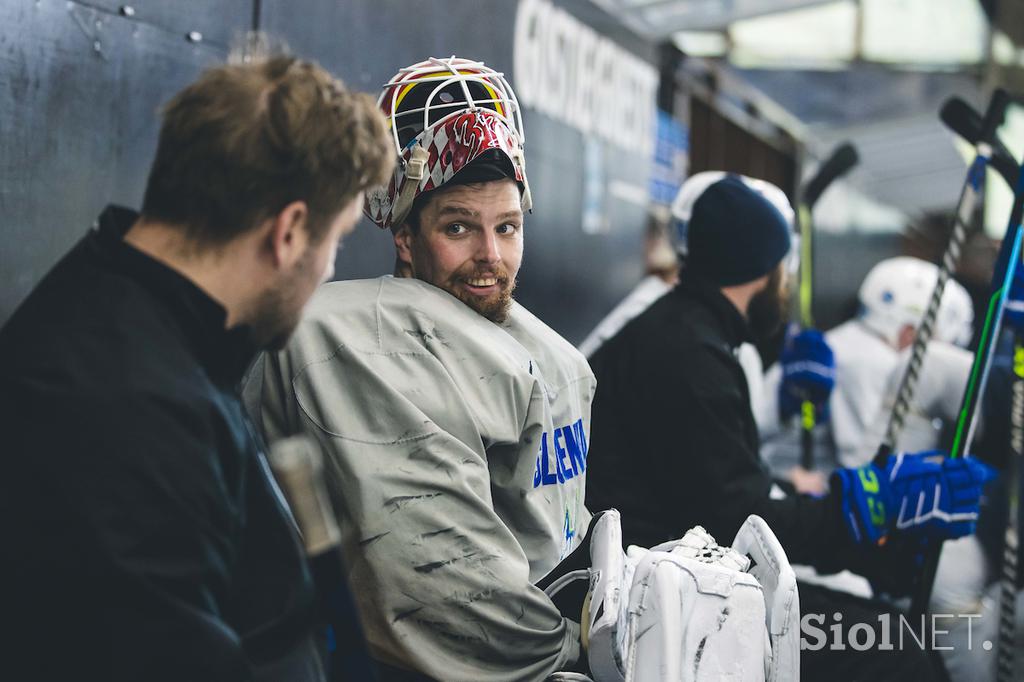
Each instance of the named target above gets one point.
<point>925,495</point>
<point>808,373</point>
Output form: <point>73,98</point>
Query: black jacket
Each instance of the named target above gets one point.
<point>143,537</point>
<point>673,440</point>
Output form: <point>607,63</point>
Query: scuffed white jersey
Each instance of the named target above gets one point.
<point>456,455</point>
<point>940,388</point>
<point>764,394</point>
<point>863,365</point>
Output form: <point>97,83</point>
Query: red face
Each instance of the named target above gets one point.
<point>469,243</point>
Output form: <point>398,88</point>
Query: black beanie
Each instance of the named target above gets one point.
<point>734,234</point>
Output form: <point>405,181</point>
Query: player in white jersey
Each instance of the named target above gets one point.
<point>871,355</point>
<point>868,366</point>
<point>455,423</point>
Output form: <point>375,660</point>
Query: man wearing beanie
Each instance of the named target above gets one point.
<point>674,443</point>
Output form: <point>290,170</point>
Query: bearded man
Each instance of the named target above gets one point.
<point>675,443</point>
<point>455,422</point>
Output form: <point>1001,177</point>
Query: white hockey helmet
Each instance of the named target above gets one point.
<point>895,294</point>
<point>697,184</point>
<point>443,114</point>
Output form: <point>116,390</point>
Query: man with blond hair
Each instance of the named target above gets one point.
<point>146,539</point>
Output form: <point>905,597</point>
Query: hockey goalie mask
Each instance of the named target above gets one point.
<point>443,114</point>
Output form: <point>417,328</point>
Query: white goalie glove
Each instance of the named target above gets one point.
<point>691,610</point>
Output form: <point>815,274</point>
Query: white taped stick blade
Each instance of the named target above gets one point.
<point>298,467</point>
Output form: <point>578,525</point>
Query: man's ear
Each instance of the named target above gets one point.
<point>288,236</point>
<point>403,244</point>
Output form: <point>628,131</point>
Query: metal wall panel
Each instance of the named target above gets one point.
<point>81,83</point>
<point>216,21</point>
<point>80,89</point>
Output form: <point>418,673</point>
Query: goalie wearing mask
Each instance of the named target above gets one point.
<point>455,423</point>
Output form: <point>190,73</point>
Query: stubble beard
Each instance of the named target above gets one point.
<point>495,308</point>
<point>278,314</point>
<point>768,308</point>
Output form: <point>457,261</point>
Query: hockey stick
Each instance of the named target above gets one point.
<point>963,120</point>
<point>842,159</point>
<point>965,208</point>
<point>1011,538</point>
<point>967,418</point>
<point>1009,256</point>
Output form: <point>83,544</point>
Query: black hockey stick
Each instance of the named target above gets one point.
<point>1009,259</point>
<point>979,370</point>
<point>965,208</point>
<point>842,159</point>
<point>963,120</point>
<point>1011,539</point>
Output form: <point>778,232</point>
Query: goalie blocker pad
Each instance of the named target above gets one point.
<point>691,610</point>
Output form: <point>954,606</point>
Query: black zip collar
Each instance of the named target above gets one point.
<point>225,354</point>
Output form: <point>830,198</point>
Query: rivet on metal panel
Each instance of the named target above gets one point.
<point>127,11</point>
<point>194,37</point>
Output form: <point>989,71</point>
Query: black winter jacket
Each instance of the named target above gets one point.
<point>674,443</point>
<point>143,537</point>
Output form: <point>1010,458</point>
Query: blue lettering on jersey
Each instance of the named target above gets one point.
<point>576,443</point>
<point>561,454</point>
<point>570,455</point>
<point>541,474</point>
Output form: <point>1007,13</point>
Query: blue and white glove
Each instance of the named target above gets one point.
<point>808,374</point>
<point>925,495</point>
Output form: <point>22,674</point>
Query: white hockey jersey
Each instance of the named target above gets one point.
<point>455,453</point>
<point>863,365</point>
<point>944,372</point>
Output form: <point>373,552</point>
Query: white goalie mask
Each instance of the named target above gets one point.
<point>443,114</point>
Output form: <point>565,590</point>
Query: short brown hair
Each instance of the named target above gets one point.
<point>245,140</point>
